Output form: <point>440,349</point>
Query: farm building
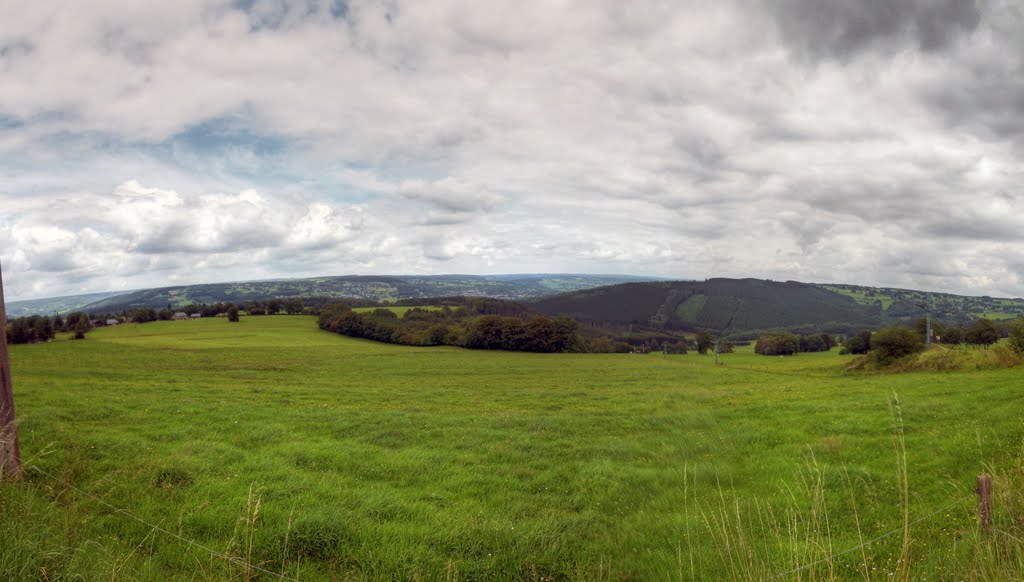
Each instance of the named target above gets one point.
<point>179,316</point>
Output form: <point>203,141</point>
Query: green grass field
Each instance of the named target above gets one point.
<point>997,315</point>
<point>325,457</point>
<point>862,297</point>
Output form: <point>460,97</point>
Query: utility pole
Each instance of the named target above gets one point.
<point>10,456</point>
<point>927,324</point>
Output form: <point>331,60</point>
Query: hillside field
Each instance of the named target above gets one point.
<point>328,458</point>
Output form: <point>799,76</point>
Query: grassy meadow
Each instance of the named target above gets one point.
<point>321,457</point>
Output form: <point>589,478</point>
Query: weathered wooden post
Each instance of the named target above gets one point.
<point>984,492</point>
<point>10,456</point>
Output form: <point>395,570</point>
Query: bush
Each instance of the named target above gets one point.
<point>954,335</point>
<point>893,343</point>
<point>859,343</point>
<point>1017,336</point>
<point>778,344</point>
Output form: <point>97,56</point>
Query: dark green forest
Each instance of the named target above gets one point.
<point>734,307</point>
<point>479,324</point>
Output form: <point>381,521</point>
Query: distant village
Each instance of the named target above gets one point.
<point>177,316</point>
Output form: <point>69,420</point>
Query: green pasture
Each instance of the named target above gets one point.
<point>862,297</point>
<point>327,458</point>
<point>998,315</point>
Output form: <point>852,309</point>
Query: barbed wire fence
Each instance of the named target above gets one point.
<point>887,534</point>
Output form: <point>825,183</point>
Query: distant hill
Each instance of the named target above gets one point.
<point>377,288</point>
<point>733,306</point>
<point>743,307</point>
<point>50,305</point>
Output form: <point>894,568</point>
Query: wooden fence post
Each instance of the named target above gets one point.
<point>984,492</point>
<point>10,457</point>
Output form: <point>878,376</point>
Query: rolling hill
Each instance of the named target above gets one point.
<point>743,307</point>
<point>373,287</point>
<point>730,306</point>
<point>50,305</point>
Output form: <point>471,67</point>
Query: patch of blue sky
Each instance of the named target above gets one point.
<point>271,14</point>
<point>9,122</point>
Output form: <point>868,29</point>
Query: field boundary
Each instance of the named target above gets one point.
<point>155,527</point>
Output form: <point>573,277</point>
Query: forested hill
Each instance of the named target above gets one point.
<point>728,305</point>
<point>375,288</point>
<point>743,306</point>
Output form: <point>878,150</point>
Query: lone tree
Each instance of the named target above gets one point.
<point>982,332</point>
<point>82,327</point>
<point>705,341</point>
<point>10,456</point>
<point>233,314</point>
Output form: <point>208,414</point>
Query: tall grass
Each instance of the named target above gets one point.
<point>943,358</point>
<point>758,541</point>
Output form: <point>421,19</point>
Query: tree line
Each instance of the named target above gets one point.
<point>480,324</point>
<point>891,343</point>
<point>39,328</point>
<point>787,344</point>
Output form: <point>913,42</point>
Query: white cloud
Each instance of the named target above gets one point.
<point>199,141</point>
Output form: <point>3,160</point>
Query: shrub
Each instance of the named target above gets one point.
<point>859,343</point>
<point>893,343</point>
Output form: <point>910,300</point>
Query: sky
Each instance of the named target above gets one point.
<point>876,142</point>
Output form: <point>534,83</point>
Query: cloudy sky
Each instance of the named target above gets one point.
<point>154,143</point>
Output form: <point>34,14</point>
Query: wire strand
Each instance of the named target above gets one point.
<point>875,539</point>
<point>190,542</point>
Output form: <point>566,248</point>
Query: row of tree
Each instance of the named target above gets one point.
<point>887,343</point>
<point>891,343</point>
<point>981,333</point>
<point>39,328</point>
<point>473,325</point>
<point>787,344</point>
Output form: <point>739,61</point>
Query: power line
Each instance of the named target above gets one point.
<point>190,542</point>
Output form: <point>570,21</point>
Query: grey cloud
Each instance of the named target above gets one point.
<point>981,86</point>
<point>842,29</point>
<point>984,103</point>
<point>448,195</point>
